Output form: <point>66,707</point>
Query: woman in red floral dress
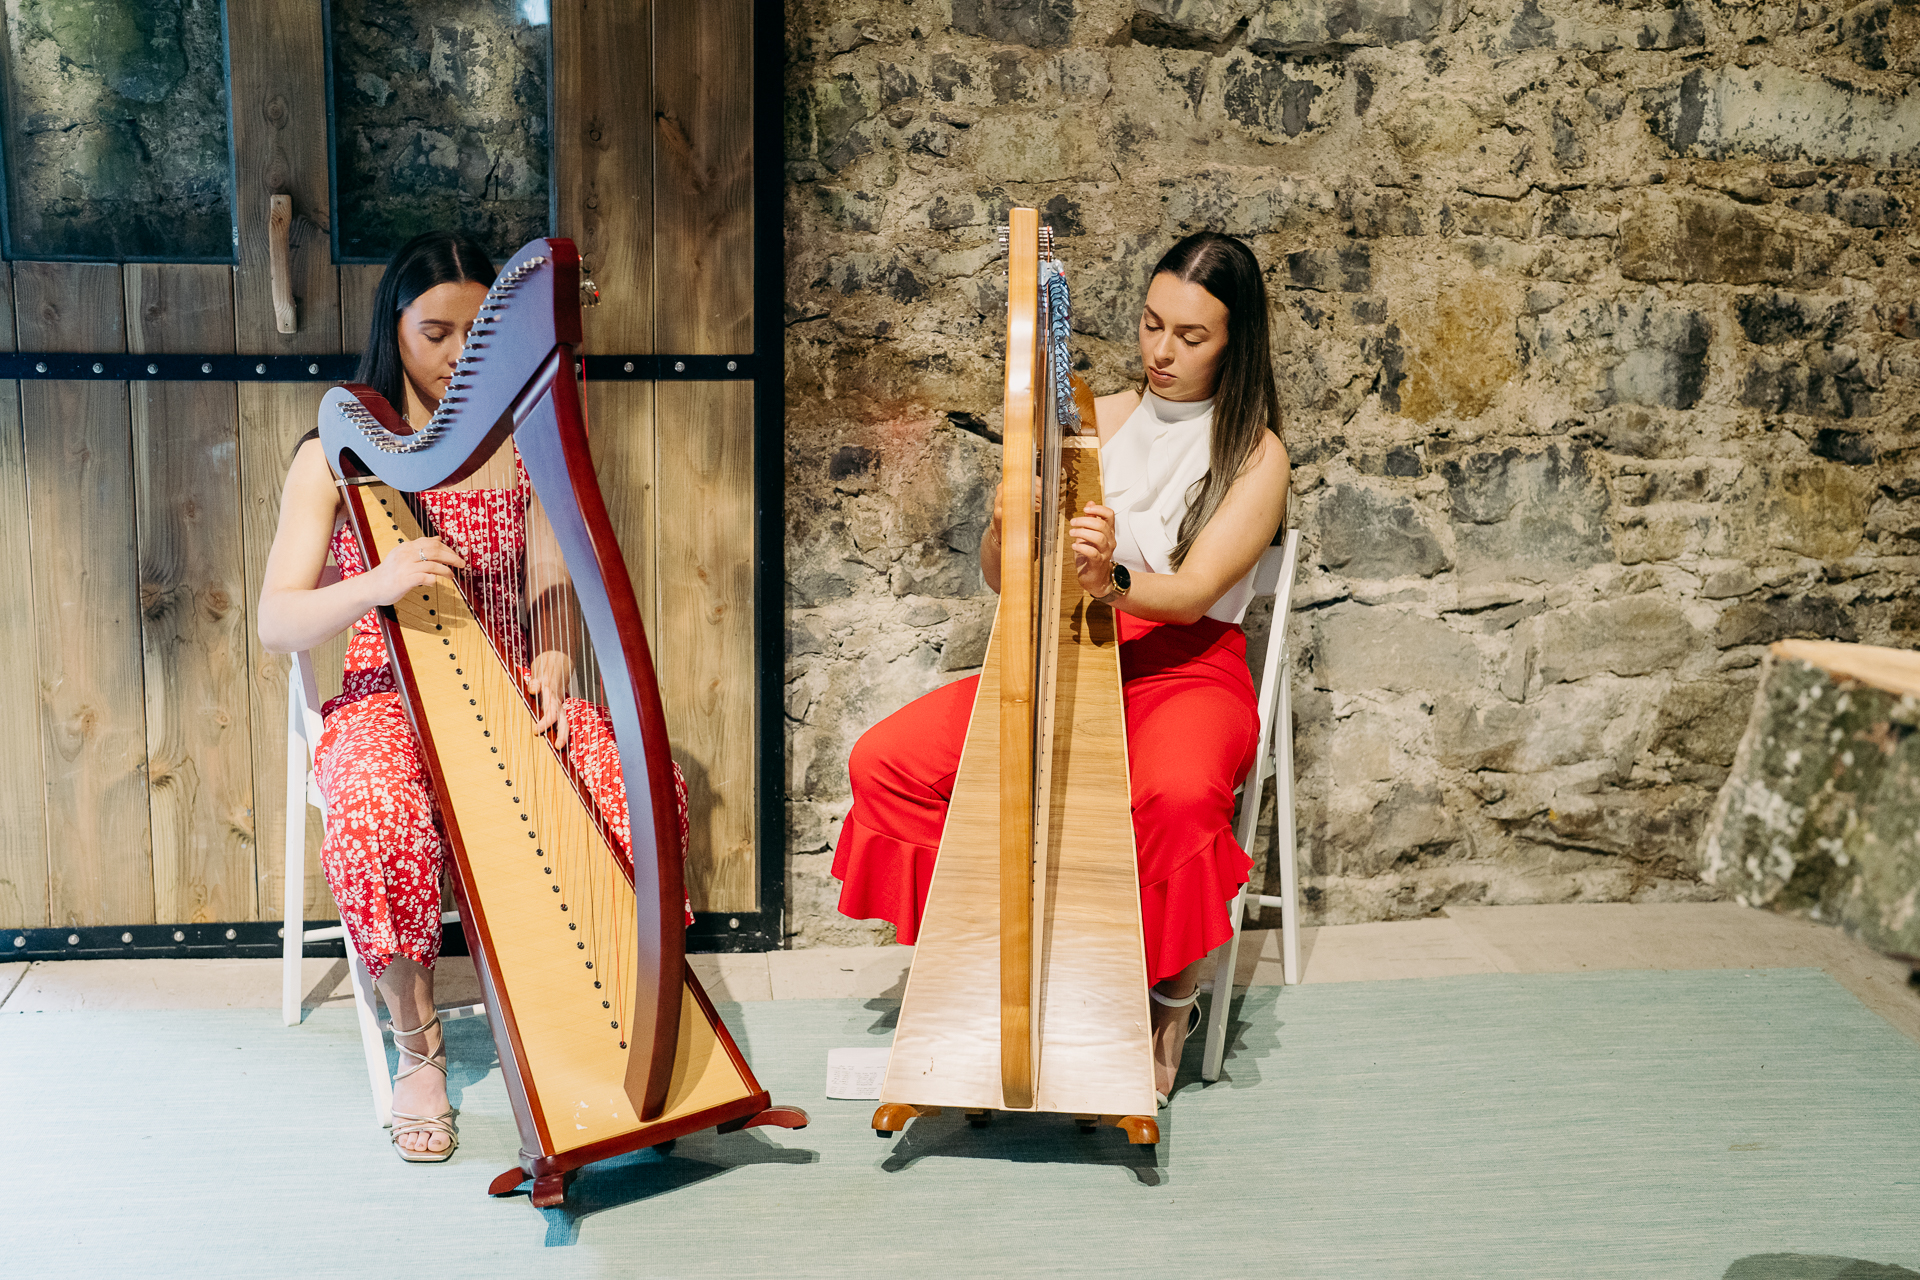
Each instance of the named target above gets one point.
<point>384,853</point>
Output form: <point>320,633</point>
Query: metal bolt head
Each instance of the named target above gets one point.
<point>73,939</point>
<point>39,366</point>
<point>98,367</point>
<point>206,368</point>
<point>179,936</point>
<point>153,368</point>
<point>260,368</point>
<point>732,365</point>
<point>313,368</point>
<point>679,366</point>
<point>628,367</point>
<point>126,937</point>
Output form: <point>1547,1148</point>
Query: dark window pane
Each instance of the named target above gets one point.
<point>439,120</point>
<point>116,130</point>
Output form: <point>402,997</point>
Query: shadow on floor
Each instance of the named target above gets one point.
<point>1807,1266</point>
<point>1022,1138</point>
<point>642,1175</point>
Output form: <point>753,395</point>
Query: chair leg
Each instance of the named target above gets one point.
<point>294,914</point>
<point>1284,843</point>
<point>372,1042</point>
<point>1226,963</point>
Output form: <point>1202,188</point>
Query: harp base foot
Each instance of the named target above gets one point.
<point>979,1119</point>
<point>778,1117</point>
<point>891,1117</point>
<point>549,1189</point>
<point>1141,1131</point>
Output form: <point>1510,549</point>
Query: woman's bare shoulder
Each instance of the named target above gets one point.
<point>1110,413</point>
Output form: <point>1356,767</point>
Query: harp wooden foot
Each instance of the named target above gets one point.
<point>1141,1131</point>
<point>507,1182</point>
<point>891,1117</point>
<point>1087,1124</point>
<point>979,1119</point>
<point>550,1190</point>
<point>779,1117</point>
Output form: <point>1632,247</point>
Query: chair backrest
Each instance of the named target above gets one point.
<point>1273,576</point>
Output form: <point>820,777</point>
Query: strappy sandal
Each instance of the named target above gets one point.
<point>1193,1021</point>
<point>442,1123</point>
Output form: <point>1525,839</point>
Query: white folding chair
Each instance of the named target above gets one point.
<point>303,735</point>
<point>1272,758</point>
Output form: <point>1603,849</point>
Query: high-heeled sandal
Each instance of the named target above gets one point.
<point>1193,1021</point>
<point>442,1123</point>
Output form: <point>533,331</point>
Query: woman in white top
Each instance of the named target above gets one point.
<point>1196,489</point>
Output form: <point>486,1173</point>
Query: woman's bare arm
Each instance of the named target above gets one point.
<point>294,613</point>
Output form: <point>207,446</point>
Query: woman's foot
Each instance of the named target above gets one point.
<point>420,1090</point>
<point>422,1120</point>
<point>1174,1018</point>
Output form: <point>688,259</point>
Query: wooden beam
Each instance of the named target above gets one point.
<point>603,68</point>
<point>86,596</point>
<point>703,172</point>
<point>279,93</point>
<point>23,837</point>
<point>704,502</point>
<point>272,418</point>
<point>195,606</point>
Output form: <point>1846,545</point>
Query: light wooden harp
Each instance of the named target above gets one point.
<point>1029,987</point>
<point>606,1041</point>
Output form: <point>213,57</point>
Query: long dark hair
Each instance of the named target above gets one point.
<point>1245,400</point>
<point>436,258</point>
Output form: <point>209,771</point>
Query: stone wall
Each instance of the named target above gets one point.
<point>1595,327</point>
<point>116,134</point>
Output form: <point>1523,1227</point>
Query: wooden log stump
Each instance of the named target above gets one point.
<point>1821,813</point>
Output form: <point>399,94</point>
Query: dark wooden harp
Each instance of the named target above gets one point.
<point>608,1047</point>
<point>1029,989</point>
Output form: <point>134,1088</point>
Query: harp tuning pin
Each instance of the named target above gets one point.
<point>1003,233</point>
<point>1046,242</point>
<point>589,293</point>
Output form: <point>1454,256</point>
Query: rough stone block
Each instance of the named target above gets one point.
<point>1706,239</point>
<point>1567,724</point>
<point>1629,637</point>
<point>1767,318</point>
<point>1776,113</point>
<point>1527,517</point>
<point>1457,356</point>
<point>1782,618</point>
<point>1702,721</point>
<point>1368,533</point>
<point>1360,647</point>
<point>1542,24</point>
<point>1296,27</point>
<point>1042,24</point>
<point>1331,270</point>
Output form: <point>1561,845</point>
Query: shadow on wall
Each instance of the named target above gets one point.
<point>1807,1266</point>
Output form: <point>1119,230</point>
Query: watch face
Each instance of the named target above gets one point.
<point>1121,578</point>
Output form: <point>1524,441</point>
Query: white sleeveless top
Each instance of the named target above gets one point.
<point>1149,464</point>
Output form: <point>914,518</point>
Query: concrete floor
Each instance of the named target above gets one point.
<point>1540,939</point>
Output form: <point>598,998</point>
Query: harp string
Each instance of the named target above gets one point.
<point>525,604</point>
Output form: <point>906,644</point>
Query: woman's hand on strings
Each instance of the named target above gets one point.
<point>1094,543</point>
<point>423,562</point>
<point>546,683</point>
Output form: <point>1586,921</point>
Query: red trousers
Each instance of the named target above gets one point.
<point>1191,727</point>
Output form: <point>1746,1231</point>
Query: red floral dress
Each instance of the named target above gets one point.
<point>384,852</point>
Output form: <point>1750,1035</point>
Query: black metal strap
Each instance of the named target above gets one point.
<point>68,366</point>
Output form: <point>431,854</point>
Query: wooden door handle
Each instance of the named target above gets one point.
<point>280,256</point>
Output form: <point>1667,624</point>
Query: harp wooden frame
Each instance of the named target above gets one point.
<point>1029,987</point>
<point>577,1097</point>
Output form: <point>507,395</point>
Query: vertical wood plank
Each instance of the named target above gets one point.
<point>278,83</point>
<point>603,159</point>
<point>703,167</point>
<point>357,284</point>
<point>23,835</point>
<point>193,600</point>
<point>272,418</point>
<point>704,505</point>
<point>620,432</point>
<point>86,602</point>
